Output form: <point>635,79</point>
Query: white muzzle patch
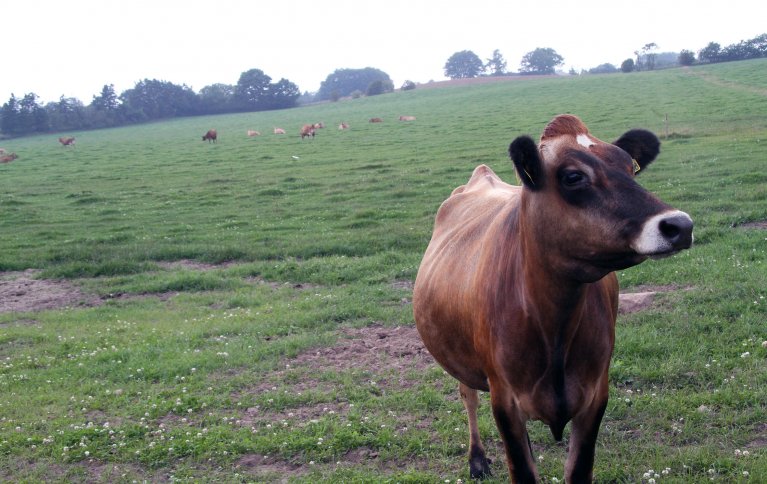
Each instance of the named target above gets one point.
<point>651,241</point>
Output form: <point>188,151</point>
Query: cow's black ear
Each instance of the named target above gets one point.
<point>640,144</point>
<point>527,162</point>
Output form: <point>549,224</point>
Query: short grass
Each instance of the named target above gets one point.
<point>184,372</point>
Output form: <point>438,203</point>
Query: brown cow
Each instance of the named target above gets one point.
<point>319,125</point>
<point>307,130</point>
<point>407,118</point>
<point>8,158</point>
<point>67,141</point>
<point>516,293</point>
<point>343,126</point>
<point>376,120</point>
<point>211,135</point>
<point>252,133</point>
<point>279,131</point>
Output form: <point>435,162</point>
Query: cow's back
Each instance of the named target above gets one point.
<point>445,292</point>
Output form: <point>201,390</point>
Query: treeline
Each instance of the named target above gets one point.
<point>743,50</point>
<point>148,100</point>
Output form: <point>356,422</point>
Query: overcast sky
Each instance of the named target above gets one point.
<point>73,48</point>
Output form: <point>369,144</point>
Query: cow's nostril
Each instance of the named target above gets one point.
<point>668,229</point>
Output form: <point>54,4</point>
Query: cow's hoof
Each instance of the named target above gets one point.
<point>479,468</point>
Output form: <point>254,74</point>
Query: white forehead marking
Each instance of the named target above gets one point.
<point>584,140</point>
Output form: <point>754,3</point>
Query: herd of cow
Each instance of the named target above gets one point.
<point>306,131</point>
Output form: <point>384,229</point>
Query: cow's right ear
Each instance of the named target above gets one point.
<point>524,154</point>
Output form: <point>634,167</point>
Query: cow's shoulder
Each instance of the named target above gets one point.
<point>482,197</point>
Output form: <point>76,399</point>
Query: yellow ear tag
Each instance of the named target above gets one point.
<point>636,166</point>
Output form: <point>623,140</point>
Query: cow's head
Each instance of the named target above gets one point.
<point>583,205</point>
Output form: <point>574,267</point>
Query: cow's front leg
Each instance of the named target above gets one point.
<point>583,440</point>
<point>512,427</point>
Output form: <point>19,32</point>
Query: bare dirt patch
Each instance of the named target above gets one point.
<point>759,224</point>
<point>642,297</point>
<point>21,292</point>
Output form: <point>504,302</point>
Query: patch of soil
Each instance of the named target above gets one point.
<point>642,297</point>
<point>759,224</point>
<point>398,350</point>
<point>257,464</point>
<point>21,292</point>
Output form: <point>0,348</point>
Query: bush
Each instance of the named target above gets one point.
<point>408,86</point>
<point>379,87</point>
<point>627,65</point>
<point>686,58</point>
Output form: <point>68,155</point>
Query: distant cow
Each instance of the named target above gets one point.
<point>407,118</point>
<point>376,120</point>
<point>211,135</point>
<point>319,125</point>
<point>8,158</point>
<point>307,130</point>
<point>252,133</point>
<point>67,141</point>
<point>343,126</point>
<point>517,295</point>
<point>279,131</point>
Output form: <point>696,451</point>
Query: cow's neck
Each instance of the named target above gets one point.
<point>551,296</point>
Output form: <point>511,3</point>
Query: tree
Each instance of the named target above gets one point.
<point>107,100</point>
<point>540,61</point>
<point>710,53</point>
<point>686,58</point>
<point>152,99</point>
<point>343,82</point>
<point>10,117</point>
<point>462,65</point>
<point>283,94</point>
<point>217,99</point>
<point>627,65</point>
<point>606,68</point>
<point>646,57</point>
<point>496,65</point>
<point>67,114</point>
<point>252,91</point>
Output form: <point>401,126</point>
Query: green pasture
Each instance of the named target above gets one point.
<point>218,281</point>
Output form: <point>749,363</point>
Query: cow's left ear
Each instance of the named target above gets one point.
<point>640,144</point>
<point>524,154</point>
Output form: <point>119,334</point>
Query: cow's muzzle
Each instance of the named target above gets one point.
<point>664,234</point>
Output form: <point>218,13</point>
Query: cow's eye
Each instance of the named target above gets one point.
<point>574,179</point>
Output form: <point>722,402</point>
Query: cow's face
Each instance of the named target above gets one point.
<point>584,206</point>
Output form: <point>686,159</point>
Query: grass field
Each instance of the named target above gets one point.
<point>240,311</point>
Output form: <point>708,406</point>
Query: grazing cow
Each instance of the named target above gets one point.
<point>279,131</point>
<point>516,293</point>
<point>319,125</point>
<point>376,120</point>
<point>67,141</point>
<point>7,158</point>
<point>343,126</point>
<point>252,133</point>
<point>407,118</point>
<point>307,130</point>
<point>211,135</point>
